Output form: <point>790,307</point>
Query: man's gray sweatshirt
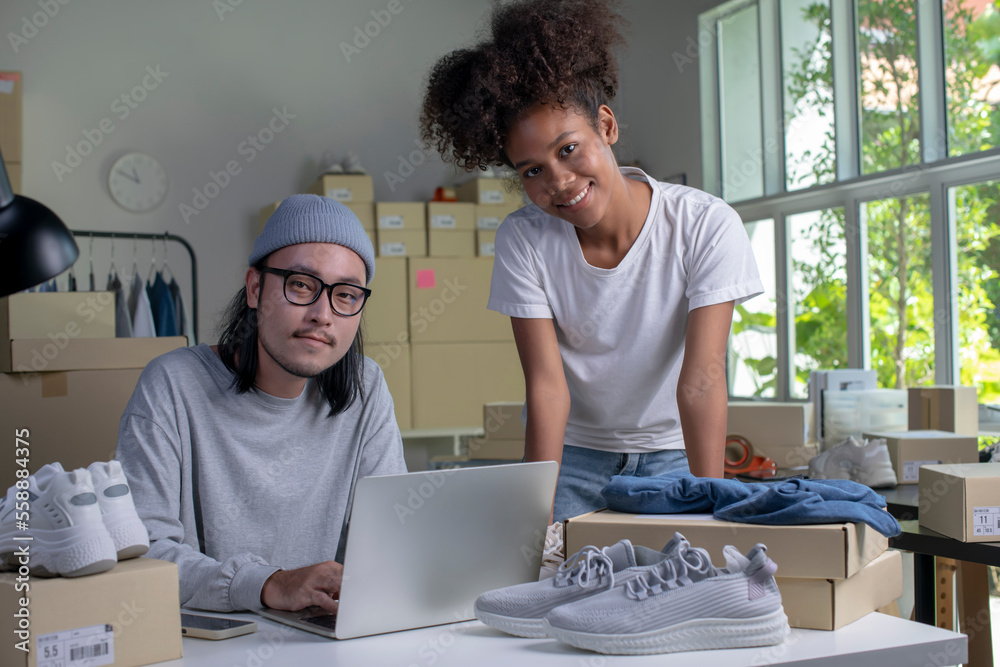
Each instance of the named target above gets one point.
<point>233,487</point>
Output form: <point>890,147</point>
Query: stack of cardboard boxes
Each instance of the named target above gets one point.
<point>65,377</point>
<point>442,352</point>
<point>10,126</point>
<point>779,431</point>
<point>503,438</point>
<point>463,354</point>
<point>64,385</point>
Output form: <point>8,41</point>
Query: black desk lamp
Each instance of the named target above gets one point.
<point>35,245</point>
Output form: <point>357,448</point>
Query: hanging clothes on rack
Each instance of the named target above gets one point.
<point>184,326</point>
<point>142,314</point>
<point>162,303</point>
<point>123,319</point>
<point>160,299</point>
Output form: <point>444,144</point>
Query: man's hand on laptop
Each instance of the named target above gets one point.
<point>316,585</point>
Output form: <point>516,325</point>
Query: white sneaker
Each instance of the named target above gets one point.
<point>682,604</point>
<point>352,164</point>
<point>867,463</point>
<point>63,520</point>
<point>117,509</point>
<point>519,610</point>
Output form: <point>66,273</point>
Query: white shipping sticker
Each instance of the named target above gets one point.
<point>339,194</point>
<point>392,249</point>
<point>911,469</point>
<point>390,222</point>
<point>490,197</point>
<point>488,222</point>
<point>985,521</point>
<point>487,249</point>
<point>7,86</point>
<point>443,222</point>
<point>91,646</point>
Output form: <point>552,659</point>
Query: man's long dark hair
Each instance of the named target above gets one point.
<point>341,384</point>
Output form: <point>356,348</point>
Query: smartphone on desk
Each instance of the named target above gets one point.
<point>215,627</point>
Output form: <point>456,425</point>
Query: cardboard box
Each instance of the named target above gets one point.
<point>353,188</point>
<point>448,302</point>
<point>57,315</point>
<point>829,604</point>
<point>961,500</point>
<point>502,421</point>
<point>410,216</point>
<point>909,450</point>
<point>402,243</point>
<point>365,212</point>
<point>14,175</point>
<point>496,449</point>
<point>451,215</point>
<point>817,551</point>
<point>491,191</point>
<point>944,408</point>
<point>489,216</point>
<point>486,242</point>
<point>394,360</point>
<point>451,382</point>
<point>768,425</point>
<point>127,616</point>
<point>448,243</point>
<point>71,417</point>
<point>386,311</point>
<point>11,112</point>
<point>82,354</point>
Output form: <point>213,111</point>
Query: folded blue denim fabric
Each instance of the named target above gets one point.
<point>789,502</point>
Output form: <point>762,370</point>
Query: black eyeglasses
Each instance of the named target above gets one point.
<point>302,289</point>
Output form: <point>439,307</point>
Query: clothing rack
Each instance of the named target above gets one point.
<point>165,236</point>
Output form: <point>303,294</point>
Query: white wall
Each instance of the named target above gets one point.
<point>659,82</point>
<point>226,71</point>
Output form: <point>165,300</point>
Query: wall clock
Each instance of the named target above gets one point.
<point>138,182</point>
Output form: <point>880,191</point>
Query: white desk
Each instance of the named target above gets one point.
<point>875,640</point>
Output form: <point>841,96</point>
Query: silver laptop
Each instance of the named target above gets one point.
<point>422,546</point>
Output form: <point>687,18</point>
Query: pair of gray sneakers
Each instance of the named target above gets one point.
<point>624,599</point>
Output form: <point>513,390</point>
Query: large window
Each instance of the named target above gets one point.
<point>883,196</point>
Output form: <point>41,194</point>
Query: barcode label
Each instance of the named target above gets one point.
<point>443,222</point>
<point>91,646</point>
<point>911,469</point>
<point>339,194</point>
<point>392,249</point>
<point>88,652</point>
<point>488,222</point>
<point>487,249</point>
<point>986,521</point>
<point>490,197</point>
<point>390,222</point>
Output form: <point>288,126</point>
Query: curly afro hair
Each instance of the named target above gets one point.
<point>557,52</point>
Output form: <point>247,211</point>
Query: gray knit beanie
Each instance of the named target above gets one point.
<point>314,219</point>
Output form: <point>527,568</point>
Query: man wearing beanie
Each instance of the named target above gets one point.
<point>243,456</point>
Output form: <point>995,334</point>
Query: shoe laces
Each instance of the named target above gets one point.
<point>667,576</point>
<point>584,566</point>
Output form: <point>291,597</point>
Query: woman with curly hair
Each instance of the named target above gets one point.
<point>620,289</point>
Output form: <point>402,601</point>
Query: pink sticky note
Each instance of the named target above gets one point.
<point>426,279</point>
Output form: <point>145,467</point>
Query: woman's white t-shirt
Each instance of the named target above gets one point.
<point>621,331</point>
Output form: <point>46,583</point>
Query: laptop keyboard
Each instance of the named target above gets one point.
<point>328,621</point>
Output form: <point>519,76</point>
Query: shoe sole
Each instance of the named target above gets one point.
<point>128,533</point>
<point>694,635</point>
<point>529,628</point>
<point>69,552</point>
